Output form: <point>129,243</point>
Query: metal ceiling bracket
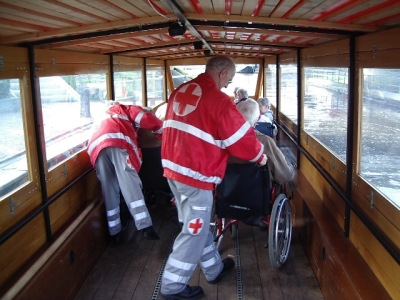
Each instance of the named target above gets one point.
<point>179,13</point>
<point>373,50</point>
<point>372,199</point>
<point>11,204</point>
<point>53,63</point>
<point>1,63</point>
<point>333,164</point>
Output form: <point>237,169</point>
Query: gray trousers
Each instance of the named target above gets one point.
<point>195,243</point>
<point>117,175</point>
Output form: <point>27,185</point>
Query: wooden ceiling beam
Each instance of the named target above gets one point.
<point>31,37</point>
<point>255,43</point>
<point>269,31</point>
<point>157,46</point>
<point>286,22</point>
<point>106,38</point>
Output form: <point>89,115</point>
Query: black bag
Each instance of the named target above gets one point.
<point>265,128</point>
<point>244,192</point>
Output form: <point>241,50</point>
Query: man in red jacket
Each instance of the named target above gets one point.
<point>114,153</point>
<point>202,128</point>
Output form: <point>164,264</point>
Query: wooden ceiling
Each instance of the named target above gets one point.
<point>140,28</point>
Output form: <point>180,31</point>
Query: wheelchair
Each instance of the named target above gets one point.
<point>151,171</point>
<point>245,195</point>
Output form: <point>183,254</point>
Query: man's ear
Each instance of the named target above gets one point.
<point>223,72</point>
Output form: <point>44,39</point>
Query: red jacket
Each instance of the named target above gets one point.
<point>202,128</point>
<point>119,129</point>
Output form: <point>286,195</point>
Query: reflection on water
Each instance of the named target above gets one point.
<point>325,118</point>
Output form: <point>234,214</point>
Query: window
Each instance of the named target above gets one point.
<point>380,131</point>
<point>155,85</point>
<point>245,77</point>
<point>325,107</point>
<point>182,74</point>
<point>288,99</point>
<point>69,105</point>
<point>128,87</point>
<point>13,160</point>
<point>270,77</point>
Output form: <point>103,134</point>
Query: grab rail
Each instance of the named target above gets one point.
<point>390,247</point>
<point>14,229</point>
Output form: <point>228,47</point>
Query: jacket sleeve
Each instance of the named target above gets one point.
<point>146,119</point>
<point>238,137</point>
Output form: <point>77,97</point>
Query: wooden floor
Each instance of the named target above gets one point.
<point>132,270</point>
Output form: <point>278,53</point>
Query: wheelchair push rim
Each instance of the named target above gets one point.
<point>280,231</point>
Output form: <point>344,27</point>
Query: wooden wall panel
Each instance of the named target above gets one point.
<point>54,62</point>
<point>23,206</point>
<point>379,50</point>
<point>288,58</point>
<point>377,217</point>
<point>287,124</point>
<point>124,63</point>
<point>60,277</point>
<point>76,200</point>
<point>346,272</point>
<point>324,190</point>
<point>17,250</point>
<point>327,55</point>
<point>362,196</point>
<point>383,265</point>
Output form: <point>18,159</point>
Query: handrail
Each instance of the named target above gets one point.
<point>390,247</point>
<point>14,229</point>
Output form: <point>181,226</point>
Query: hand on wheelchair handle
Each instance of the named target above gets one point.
<point>264,160</point>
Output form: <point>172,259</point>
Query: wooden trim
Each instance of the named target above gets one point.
<point>260,78</point>
<point>15,61</point>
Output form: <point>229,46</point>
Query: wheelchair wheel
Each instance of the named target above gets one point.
<point>280,231</point>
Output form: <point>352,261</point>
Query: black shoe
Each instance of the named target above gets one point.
<point>228,266</point>
<point>190,292</point>
<point>150,234</point>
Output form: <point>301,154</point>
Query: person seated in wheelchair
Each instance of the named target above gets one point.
<point>244,194</point>
<point>280,170</point>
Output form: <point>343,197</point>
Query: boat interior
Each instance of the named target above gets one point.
<point>331,70</point>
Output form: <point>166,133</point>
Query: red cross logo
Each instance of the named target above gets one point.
<point>195,226</point>
<point>186,99</point>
